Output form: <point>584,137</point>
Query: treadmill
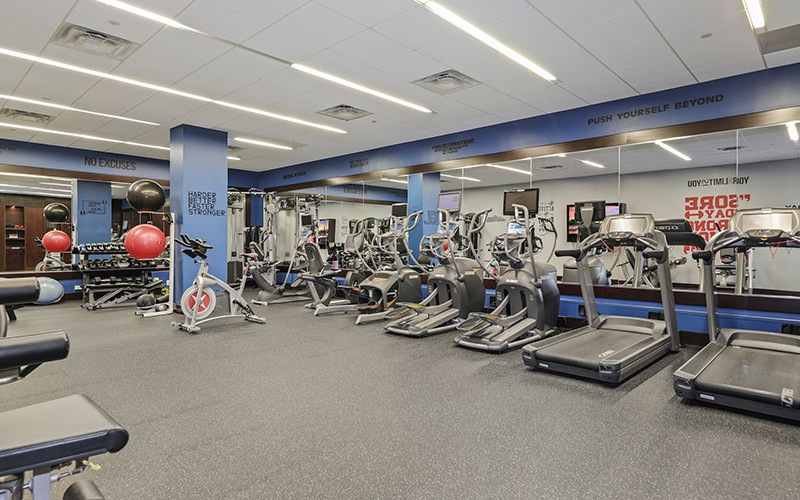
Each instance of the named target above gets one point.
<point>746,369</point>
<point>612,348</point>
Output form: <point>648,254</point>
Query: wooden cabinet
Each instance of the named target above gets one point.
<point>14,234</point>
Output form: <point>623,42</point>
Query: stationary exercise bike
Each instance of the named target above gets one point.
<point>199,300</point>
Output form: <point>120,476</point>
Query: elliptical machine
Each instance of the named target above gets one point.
<point>455,286</point>
<point>527,293</point>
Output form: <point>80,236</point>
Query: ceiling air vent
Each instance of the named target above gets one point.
<point>233,149</point>
<point>93,42</point>
<point>550,167</point>
<point>345,112</point>
<point>26,116</point>
<point>732,149</point>
<point>447,82</point>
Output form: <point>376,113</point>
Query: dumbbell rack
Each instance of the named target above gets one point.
<point>115,280</point>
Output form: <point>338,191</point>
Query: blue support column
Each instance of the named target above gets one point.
<point>91,212</point>
<point>198,176</point>
<point>423,194</point>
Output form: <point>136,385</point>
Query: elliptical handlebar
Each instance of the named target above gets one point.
<point>411,221</point>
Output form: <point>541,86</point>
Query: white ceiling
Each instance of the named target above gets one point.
<point>598,50</point>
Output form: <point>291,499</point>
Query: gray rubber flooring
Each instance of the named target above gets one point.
<point>306,407</point>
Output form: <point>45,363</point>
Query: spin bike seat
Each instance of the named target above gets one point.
<point>55,432</point>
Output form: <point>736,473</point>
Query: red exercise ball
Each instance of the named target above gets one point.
<point>56,241</point>
<point>145,242</point>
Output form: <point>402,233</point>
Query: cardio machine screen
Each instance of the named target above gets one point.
<point>572,229</point>
<point>399,209</point>
<point>515,228</point>
<point>450,201</point>
<point>528,198</point>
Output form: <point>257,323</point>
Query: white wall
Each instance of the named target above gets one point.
<point>668,194</point>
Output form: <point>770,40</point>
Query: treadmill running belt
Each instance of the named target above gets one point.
<point>755,374</point>
<point>587,351</point>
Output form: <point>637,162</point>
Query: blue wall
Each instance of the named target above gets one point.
<point>91,212</point>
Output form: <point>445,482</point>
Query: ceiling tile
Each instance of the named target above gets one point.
<point>81,123</point>
<point>169,56</point>
<point>608,94</point>
<point>368,12</point>
<point>669,15</point>
<point>319,25</point>
<point>39,82</point>
<point>723,29</point>
<point>78,58</point>
<point>741,49</point>
<point>162,108</point>
<point>28,26</point>
<point>411,66</point>
<point>265,11</point>
<point>729,69</point>
<point>108,96</point>
<point>231,71</point>
<point>62,140</point>
<point>487,99</point>
<point>370,48</point>
<point>425,28</point>
<point>481,12</point>
<point>571,14</point>
<point>13,71</point>
<point>652,70</point>
<point>283,45</point>
<point>636,52</point>
<point>613,31</point>
<point>678,80</point>
<point>216,20</point>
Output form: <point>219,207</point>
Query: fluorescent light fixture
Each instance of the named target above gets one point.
<point>147,14</point>
<point>79,136</point>
<point>398,181</point>
<point>61,184</point>
<point>484,37</point>
<point>234,158</point>
<point>305,69</point>
<point>70,108</point>
<point>263,143</point>
<point>13,174</point>
<point>754,13</point>
<point>360,88</point>
<point>510,169</point>
<point>560,155</point>
<point>792,128</point>
<point>167,90</point>
<point>592,164</point>
<point>37,193</point>
<point>673,150</point>
<point>460,178</point>
<point>36,187</point>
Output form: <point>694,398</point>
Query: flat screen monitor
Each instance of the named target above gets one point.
<point>450,201</point>
<point>611,208</point>
<point>306,220</point>
<point>528,198</point>
<point>125,225</point>
<point>515,228</point>
<point>399,209</point>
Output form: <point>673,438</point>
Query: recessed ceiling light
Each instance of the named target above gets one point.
<point>81,136</point>
<point>300,67</point>
<point>37,187</point>
<point>754,13</point>
<point>234,158</point>
<point>461,178</point>
<point>263,143</point>
<point>792,129</point>
<point>70,108</point>
<point>398,181</point>
<point>510,169</point>
<point>592,164</point>
<point>55,184</point>
<point>673,150</point>
<point>559,155</point>
<point>486,38</point>
<point>167,90</point>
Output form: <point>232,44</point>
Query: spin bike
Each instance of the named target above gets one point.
<point>199,300</point>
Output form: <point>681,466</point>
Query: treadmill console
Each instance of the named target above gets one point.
<point>765,235</point>
<point>627,225</point>
<point>748,221</point>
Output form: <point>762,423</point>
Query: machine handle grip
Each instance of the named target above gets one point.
<point>572,252</point>
<point>659,255</point>
<point>704,255</point>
